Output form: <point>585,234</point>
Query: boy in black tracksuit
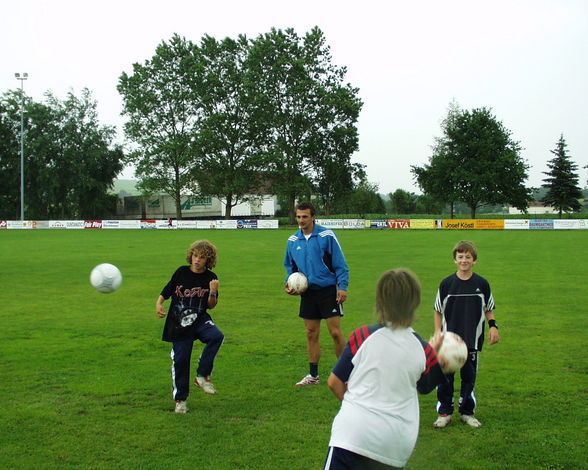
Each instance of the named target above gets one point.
<point>193,290</point>
<point>463,300</point>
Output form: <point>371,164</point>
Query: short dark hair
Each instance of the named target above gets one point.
<point>465,246</point>
<point>306,205</point>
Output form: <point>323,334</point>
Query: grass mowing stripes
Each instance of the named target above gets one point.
<point>86,384</point>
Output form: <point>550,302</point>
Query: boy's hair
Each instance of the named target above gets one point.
<point>398,294</point>
<point>465,246</point>
<point>306,205</point>
<point>205,249</point>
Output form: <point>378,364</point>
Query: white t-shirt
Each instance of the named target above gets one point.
<point>379,415</point>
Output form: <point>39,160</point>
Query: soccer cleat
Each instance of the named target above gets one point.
<point>308,380</point>
<point>181,407</point>
<point>471,421</point>
<point>205,384</point>
<point>442,421</point>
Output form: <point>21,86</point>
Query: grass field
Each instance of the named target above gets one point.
<point>85,379</point>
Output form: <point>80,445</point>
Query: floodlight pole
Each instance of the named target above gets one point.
<point>22,78</point>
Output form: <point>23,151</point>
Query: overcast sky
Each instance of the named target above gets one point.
<point>527,60</point>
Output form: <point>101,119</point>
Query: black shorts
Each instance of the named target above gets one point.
<point>343,459</point>
<point>319,304</point>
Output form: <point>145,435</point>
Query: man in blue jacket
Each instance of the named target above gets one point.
<point>315,252</point>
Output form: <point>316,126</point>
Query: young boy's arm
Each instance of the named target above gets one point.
<point>433,375</point>
<point>493,336</point>
<point>438,321</point>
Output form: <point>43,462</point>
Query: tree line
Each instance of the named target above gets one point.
<point>238,117</point>
<point>71,160</point>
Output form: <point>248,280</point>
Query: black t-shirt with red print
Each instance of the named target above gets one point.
<point>189,302</point>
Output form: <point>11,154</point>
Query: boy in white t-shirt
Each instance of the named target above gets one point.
<point>377,378</point>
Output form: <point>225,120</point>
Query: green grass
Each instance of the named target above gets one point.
<point>85,378</point>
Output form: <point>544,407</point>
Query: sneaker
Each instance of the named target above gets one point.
<point>471,421</point>
<point>205,384</point>
<point>308,380</point>
<point>442,421</point>
<point>181,407</point>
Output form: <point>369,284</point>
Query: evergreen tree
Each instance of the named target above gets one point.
<point>563,191</point>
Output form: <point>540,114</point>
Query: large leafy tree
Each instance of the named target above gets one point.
<point>9,156</point>
<point>70,158</point>
<point>309,114</point>
<point>563,191</point>
<point>231,142</point>
<point>161,99</point>
<point>478,163</point>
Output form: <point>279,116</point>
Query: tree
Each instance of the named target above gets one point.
<point>9,156</point>
<point>563,191</point>
<point>366,200</point>
<point>436,178</point>
<point>160,99</point>
<point>403,202</point>
<point>231,142</point>
<point>70,159</point>
<point>477,162</point>
<point>309,114</point>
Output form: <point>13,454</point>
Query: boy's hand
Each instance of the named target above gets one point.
<point>493,336</point>
<point>436,340</point>
<point>341,296</point>
<point>213,285</point>
<point>160,311</point>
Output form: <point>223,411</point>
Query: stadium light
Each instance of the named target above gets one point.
<point>22,78</point>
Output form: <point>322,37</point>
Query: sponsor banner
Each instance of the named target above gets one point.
<point>126,224</point>
<point>92,224</point>
<point>224,224</point>
<point>57,224</point>
<point>330,223</point>
<point>246,224</point>
<point>541,224</point>
<point>341,223</point>
<point>398,223</point>
<point>3,224</point>
<point>423,224</point>
<point>186,224</point>
<point>516,224</point>
<point>459,224</point>
<point>166,224</point>
<point>354,223</point>
<point>74,224</point>
<point>40,224</point>
<point>148,224</point>
<point>376,224</point>
<point>489,224</point>
<point>21,224</point>
<point>205,224</point>
<point>267,224</point>
<point>570,224</point>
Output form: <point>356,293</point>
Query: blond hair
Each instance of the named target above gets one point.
<point>205,249</point>
<point>398,294</point>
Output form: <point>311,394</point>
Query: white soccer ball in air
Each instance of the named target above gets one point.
<point>453,353</point>
<point>297,282</point>
<point>106,278</point>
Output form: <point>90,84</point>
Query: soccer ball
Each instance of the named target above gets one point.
<point>105,278</point>
<point>297,282</point>
<point>453,353</point>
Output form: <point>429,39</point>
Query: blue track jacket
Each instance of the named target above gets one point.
<point>319,258</point>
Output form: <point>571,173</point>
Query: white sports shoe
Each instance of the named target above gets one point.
<point>181,407</point>
<point>471,421</point>
<point>442,421</point>
<point>205,384</point>
<point>308,380</point>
